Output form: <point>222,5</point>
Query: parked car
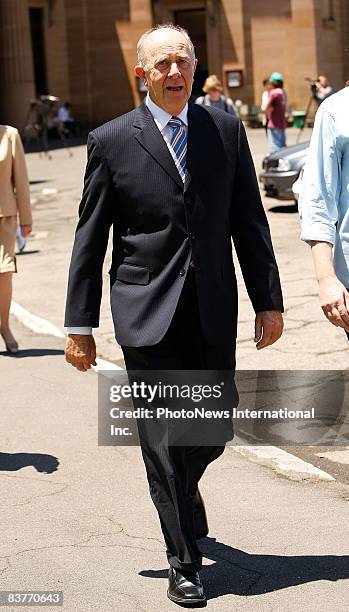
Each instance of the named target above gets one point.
<point>281,169</point>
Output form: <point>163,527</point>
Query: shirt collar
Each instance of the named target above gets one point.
<point>161,117</point>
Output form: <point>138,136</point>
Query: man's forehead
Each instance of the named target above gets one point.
<point>166,41</point>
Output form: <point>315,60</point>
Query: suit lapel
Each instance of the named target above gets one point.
<point>150,138</point>
<point>197,143</point>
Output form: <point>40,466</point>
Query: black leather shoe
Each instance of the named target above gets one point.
<point>200,518</point>
<point>185,590</point>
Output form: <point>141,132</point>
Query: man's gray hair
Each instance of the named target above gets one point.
<point>141,45</point>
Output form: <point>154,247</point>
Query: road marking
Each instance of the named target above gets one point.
<point>43,326</point>
<point>273,457</point>
<point>104,366</point>
<point>34,323</point>
<point>280,461</point>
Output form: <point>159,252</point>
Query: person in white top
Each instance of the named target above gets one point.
<point>265,100</point>
<point>324,206</point>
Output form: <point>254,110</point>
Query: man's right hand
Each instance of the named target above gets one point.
<point>334,300</point>
<point>80,351</point>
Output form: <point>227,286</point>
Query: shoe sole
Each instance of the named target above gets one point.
<point>186,602</point>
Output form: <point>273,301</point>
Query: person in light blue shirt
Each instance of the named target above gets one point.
<point>324,206</point>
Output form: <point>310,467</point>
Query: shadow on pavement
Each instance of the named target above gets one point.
<point>39,352</point>
<point>32,252</point>
<point>11,462</point>
<point>288,208</point>
<point>236,572</point>
<point>38,182</point>
<point>35,146</point>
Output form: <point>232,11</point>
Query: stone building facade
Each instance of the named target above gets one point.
<point>84,50</point>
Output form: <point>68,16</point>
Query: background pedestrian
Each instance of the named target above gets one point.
<point>14,199</point>
<point>276,113</point>
<point>214,97</point>
<point>323,89</point>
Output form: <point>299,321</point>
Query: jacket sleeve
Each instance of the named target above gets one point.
<point>251,235</point>
<point>20,180</point>
<point>91,240</point>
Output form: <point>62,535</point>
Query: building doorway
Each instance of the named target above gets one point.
<point>36,18</point>
<point>194,21</point>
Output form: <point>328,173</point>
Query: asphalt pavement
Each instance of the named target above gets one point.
<point>78,517</point>
<point>309,342</point>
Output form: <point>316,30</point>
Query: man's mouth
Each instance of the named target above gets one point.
<point>174,88</point>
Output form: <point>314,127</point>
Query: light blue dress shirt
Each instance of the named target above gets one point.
<point>324,197</point>
<point>161,118</point>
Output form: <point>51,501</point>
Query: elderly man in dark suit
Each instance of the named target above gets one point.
<point>177,182</point>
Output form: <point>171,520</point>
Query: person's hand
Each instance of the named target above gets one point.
<point>268,328</point>
<point>334,299</point>
<point>80,351</point>
<point>25,230</point>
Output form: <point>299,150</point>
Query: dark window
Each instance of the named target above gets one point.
<point>194,21</point>
<point>36,16</point>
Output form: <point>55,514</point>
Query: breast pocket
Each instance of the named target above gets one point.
<point>133,274</point>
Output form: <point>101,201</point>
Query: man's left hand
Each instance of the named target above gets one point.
<point>268,327</point>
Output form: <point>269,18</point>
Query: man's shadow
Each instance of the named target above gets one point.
<point>11,462</point>
<point>239,573</point>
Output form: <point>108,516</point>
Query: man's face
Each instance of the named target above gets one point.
<point>169,70</point>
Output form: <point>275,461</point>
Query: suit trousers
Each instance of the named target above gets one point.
<point>173,472</point>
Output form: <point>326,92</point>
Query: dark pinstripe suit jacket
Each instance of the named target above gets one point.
<point>131,182</point>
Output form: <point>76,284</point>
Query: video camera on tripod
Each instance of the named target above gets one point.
<point>313,85</point>
<point>313,101</point>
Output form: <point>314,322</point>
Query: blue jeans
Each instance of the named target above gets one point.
<point>276,138</point>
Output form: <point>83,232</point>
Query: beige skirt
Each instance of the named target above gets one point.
<point>7,244</point>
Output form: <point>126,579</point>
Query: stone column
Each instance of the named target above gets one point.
<point>16,64</point>
<point>304,57</point>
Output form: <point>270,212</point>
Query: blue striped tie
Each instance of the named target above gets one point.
<point>179,144</point>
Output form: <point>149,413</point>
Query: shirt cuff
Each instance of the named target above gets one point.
<point>82,331</point>
<point>310,236</point>
<point>318,229</point>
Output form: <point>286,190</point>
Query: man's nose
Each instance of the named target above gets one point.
<point>174,70</point>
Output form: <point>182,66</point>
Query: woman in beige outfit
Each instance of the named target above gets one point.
<point>14,199</point>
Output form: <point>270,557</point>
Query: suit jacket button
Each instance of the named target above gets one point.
<point>192,235</point>
<point>182,272</point>
<point>187,200</point>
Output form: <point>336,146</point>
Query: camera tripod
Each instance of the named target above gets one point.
<point>312,100</point>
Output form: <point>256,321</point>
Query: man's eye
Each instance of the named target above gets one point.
<point>164,64</point>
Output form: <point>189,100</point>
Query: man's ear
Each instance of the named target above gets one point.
<point>141,74</point>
